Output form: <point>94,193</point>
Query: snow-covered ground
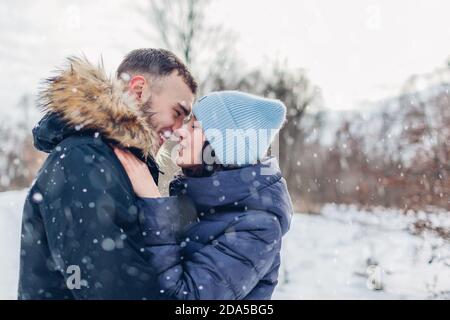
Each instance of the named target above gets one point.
<point>325,256</point>
<point>11,204</point>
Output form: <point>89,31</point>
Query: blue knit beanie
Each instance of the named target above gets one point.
<point>240,127</point>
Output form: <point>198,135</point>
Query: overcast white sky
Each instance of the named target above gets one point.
<point>354,49</point>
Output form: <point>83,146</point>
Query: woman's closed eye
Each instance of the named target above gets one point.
<point>187,119</point>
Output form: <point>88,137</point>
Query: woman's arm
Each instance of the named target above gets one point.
<point>139,174</point>
<point>227,268</point>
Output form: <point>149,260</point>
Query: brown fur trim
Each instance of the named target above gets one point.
<point>86,98</point>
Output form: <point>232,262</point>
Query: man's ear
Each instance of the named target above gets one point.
<point>136,85</point>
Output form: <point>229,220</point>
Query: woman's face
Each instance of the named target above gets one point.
<point>190,145</point>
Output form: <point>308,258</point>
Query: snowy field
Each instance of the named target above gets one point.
<point>326,256</point>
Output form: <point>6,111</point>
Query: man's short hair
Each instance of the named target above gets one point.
<point>155,62</point>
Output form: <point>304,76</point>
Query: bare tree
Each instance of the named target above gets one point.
<point>179,24</point>
<point>299,95</point>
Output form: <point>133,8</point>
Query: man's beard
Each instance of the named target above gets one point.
<point>146,109</point>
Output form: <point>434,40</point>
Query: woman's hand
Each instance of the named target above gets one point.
<point>141,179</point>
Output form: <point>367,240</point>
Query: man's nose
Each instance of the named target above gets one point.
<point>181,132</point>
<point>177,124</point>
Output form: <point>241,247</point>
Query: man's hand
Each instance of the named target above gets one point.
<point>141,179</point>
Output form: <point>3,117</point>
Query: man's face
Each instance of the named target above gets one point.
<point>168,102</point>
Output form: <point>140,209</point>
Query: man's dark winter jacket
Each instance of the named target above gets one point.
<point>233,250</point>
<point>80,213</point>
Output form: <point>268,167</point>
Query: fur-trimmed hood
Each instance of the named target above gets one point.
<point>84,98</point>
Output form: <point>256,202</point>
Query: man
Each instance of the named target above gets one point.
<point>81,236</point>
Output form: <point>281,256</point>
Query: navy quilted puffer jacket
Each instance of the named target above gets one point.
<point>232,248</point>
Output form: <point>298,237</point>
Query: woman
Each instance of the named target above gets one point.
<point>243,208</point>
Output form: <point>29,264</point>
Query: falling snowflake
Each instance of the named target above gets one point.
<point>37,197</point>
<point>108,244</point>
